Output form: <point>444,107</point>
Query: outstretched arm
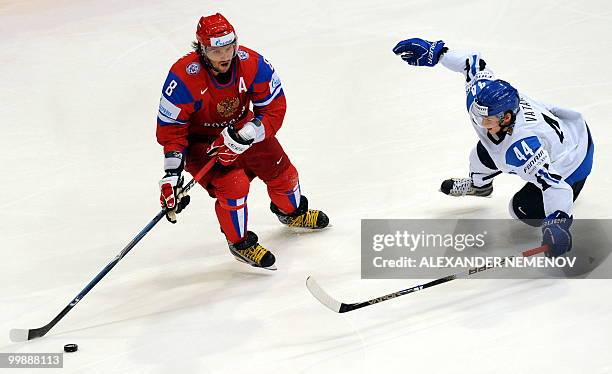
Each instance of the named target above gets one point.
<point>471,64</point>
<point>420,52</point>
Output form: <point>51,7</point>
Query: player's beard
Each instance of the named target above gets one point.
<point>224,67</point>
<point>217,67</point>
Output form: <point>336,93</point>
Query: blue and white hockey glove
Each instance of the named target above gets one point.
<point>556,234</point>
<point>419,52</point>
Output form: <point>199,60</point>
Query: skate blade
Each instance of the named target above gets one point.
<point>303,230</point>
<point>271,268</point>
<point>488,196</point>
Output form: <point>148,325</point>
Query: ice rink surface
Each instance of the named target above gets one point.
<point>371,138</point>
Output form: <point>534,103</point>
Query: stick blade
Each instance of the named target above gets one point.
<point>323,297</point>
<point>19,335</point>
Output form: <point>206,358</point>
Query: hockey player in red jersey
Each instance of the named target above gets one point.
<point>205,111</point>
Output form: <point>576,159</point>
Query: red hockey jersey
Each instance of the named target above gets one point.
<point>194,106</point>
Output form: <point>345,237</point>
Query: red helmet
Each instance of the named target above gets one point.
<point>215,31</point>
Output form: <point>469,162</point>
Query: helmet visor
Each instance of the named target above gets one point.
<point>223,53</point>
<point>480,116</point>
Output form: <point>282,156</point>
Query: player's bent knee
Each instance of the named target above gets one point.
<point>285,181</point>
<point>232,185</point>
<point>525,210</point>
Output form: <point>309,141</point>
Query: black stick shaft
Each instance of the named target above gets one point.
<point>463,274</point>
<point>35,333</point>
<point>393,295</point>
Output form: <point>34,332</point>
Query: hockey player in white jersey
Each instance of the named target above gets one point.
<point>548,146</point>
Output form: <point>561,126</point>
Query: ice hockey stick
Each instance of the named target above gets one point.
<point>21,335</point>
<point>340,307</point>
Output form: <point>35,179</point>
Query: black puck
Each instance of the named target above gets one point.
<point>71,347</point>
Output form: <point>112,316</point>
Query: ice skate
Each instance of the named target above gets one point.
<point>302,218</point>
<point>251,252</point>
<point>464,187</point>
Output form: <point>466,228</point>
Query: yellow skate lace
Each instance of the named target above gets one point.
<point>254,253</point>
<point>308,219</point>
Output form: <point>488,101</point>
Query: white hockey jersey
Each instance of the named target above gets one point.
<point>548,146</point>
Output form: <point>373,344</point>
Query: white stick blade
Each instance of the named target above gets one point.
<point>19,335</point>
<point>321,295</point>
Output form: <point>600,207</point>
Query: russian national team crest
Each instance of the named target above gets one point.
<point>243,55</point>
<point>228,106</point>
<point>193,68</point>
